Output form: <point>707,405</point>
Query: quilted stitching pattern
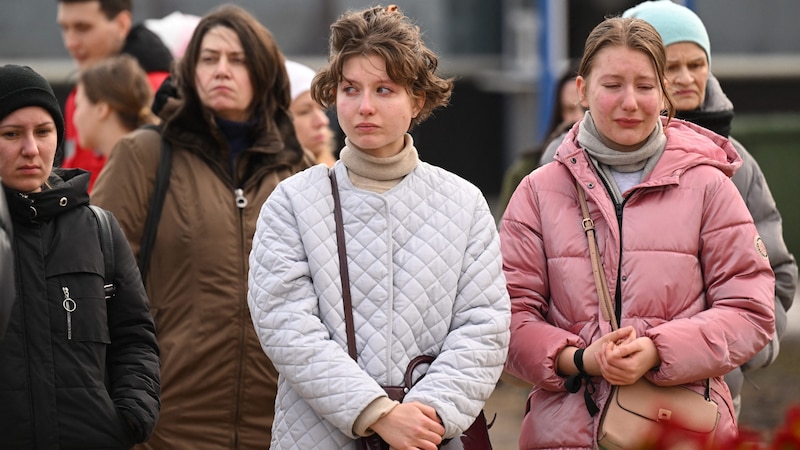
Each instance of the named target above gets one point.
<point>426,278</point>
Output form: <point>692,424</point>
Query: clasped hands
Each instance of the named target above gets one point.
<point>620,356</point>
<point>410,425</point>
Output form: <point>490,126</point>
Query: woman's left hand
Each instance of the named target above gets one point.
<point>410,425</point>
<point>624,363</point>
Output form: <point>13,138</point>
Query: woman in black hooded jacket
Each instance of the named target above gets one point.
<point>7,285</point>
<point>77,370</point>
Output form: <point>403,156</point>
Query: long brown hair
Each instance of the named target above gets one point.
<point>263,58</point>
<point>269,80</point>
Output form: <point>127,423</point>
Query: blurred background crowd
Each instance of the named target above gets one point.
<point>507,56</point>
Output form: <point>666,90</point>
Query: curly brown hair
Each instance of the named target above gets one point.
<point>391,35</point>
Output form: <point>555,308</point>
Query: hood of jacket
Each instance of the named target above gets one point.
<point>148,49</point>
<point>688,145</point>
<point>68,190</point>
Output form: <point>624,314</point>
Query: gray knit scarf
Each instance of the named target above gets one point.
<point>605,159</point>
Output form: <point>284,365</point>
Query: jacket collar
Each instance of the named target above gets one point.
<point>68,189</point>
<point>688,146</point>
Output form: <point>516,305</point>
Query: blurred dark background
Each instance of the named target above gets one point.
<point>504,55</point>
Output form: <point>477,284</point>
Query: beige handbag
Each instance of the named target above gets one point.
<point>640,413</point>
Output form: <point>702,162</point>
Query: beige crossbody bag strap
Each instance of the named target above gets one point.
<point>599,275</point>
<point>597,266</point>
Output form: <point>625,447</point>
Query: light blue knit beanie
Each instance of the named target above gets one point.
<point>674,22</point>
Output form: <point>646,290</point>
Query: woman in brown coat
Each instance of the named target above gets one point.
<point>233,142</point>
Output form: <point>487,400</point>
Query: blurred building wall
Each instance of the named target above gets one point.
<point>492,48</point>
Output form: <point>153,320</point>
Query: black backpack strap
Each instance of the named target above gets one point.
<point>107,247</point>
<point>156,205</point>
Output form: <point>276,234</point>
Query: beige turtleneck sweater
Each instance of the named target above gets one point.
<point>378,174</point>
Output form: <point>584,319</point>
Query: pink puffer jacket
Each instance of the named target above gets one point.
<point>683,251</point>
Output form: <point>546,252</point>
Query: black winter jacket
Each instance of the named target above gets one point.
<point>7,290</point>
<point>88,379</point>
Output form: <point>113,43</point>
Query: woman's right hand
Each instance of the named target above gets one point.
<point>410,425</point>
<point>591,364</point>
<point>622,363</point>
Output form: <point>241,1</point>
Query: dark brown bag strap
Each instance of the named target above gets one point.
<point>597,266</point>
<point>160,188</point>
<point>343,272</point>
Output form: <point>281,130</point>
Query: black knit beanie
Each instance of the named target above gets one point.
<point>20,87</point>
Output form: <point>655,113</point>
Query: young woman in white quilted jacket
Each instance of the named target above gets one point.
<point>423,258</point>
<point>686,268</point>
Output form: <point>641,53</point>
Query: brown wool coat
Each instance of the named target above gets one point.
<point>218,387</point>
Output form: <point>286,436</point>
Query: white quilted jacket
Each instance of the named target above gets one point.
<point>426,278</point>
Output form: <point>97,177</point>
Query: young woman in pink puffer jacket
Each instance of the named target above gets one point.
<point>686,269</point>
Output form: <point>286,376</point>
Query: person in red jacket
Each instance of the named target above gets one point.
<point>94,30</point>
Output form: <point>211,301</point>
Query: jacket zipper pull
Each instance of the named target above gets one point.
<point>69,306</point>
<point>241,201</point>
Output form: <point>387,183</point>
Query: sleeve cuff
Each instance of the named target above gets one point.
<point>379,407</point>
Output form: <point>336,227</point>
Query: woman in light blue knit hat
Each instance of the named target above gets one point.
<point>700,99</point>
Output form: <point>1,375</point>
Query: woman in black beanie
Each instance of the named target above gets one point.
<point>77,370</point>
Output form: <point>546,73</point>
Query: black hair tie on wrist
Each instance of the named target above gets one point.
<point>577,358</point>
<point>574,382</point>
